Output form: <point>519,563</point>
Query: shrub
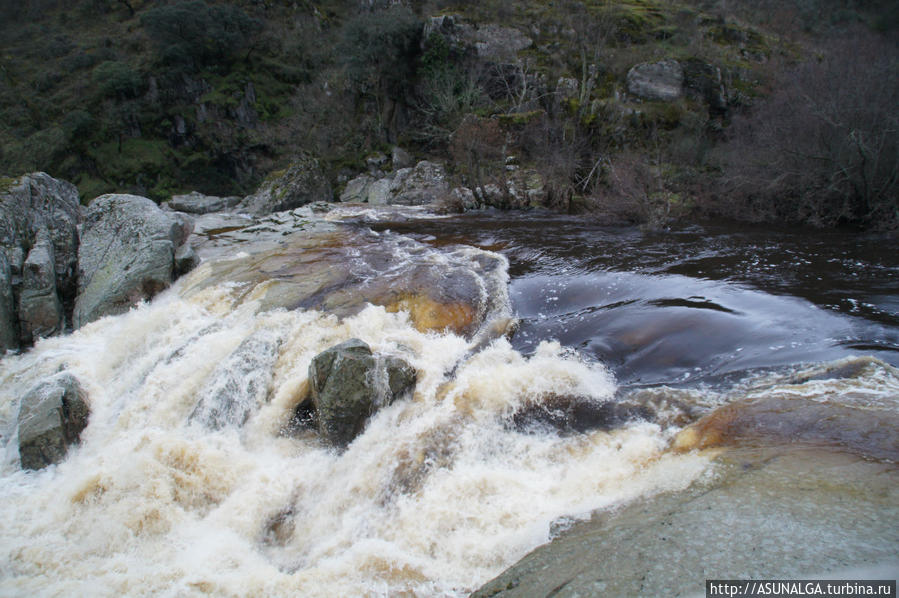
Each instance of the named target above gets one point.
<point>824,147</point>
<point>117,79</point>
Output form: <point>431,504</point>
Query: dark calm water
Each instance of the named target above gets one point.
<point>693,303</point>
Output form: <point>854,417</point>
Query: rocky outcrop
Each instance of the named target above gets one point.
<point>800,497</point>
<point>51,418</point>
<point>197,203</point>
<point>349,384</point>
<point>39,218</point>
<point>40,310</point>
<point>662,81</point>
<point>239,384</point>
<point>356,190</point>
<point>523,189</point>
<point>490,42</point>
<point>422,184</point>
<point>127,255</point>
<point>302,183</point>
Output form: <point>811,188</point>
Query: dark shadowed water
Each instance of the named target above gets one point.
<point>693,303</point>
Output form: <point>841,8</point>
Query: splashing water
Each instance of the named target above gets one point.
<point>169,495</point>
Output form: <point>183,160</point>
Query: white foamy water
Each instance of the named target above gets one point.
<point>439,494</point>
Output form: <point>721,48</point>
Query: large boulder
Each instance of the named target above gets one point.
<point>356,190</point>
<point>423,184</point>
<point>40,310</point>
<point>662,81</point>
<point>302,183</point>
<point>51,418</point>
<point>349,384</point>
<point>37,207</point>
<point>126,256</point>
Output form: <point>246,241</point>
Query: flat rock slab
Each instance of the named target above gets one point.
<point>775,513</point>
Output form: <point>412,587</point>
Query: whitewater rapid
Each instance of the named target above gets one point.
<point>438,494</point>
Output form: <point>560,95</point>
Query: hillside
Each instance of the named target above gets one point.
<point>159,98</point>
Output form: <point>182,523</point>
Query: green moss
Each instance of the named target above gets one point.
<point>6,183</point>
<point>519,119</point>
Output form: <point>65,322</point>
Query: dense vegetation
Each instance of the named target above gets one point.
<point>165,96</point>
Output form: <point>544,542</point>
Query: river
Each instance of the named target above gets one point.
<point>500,314</point>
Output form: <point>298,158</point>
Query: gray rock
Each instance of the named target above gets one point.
<point>186,259</point>
<point>663,80</point>
<point>349,384</point>
<point>9,326</point>
<point>527,189</point>
<point>32,207</point>
<point>51,418</point>
<point>240,383</point>
<point>498,43</point>
<point>490,42</point>
<point>376,161</point>
<point>465,198</point>
<point>185,228</point>
<point>803,506</point>
<point>40,310</point>
<point>423,184</point>
<point>379,193</point>
<point>38,202</point>
<point>126,255</point>
<point>197,203</point>
<point>302,183</point>
<point>356,190</point>
<point>400,158</point>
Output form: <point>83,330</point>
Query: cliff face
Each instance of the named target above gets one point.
<point>616,104</point>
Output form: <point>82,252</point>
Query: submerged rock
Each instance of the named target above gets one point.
<point>240,383</point>
<point>303,182</point>
<point>867,432</point>
<point>573,414</point>
<point>349,384</point>
<point>127,255</point>
<point>51,418</point>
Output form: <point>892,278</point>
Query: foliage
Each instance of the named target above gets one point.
<point>192,34</point>
<point>379,50</point>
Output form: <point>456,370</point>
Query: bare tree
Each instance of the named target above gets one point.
<point>823,147</point>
